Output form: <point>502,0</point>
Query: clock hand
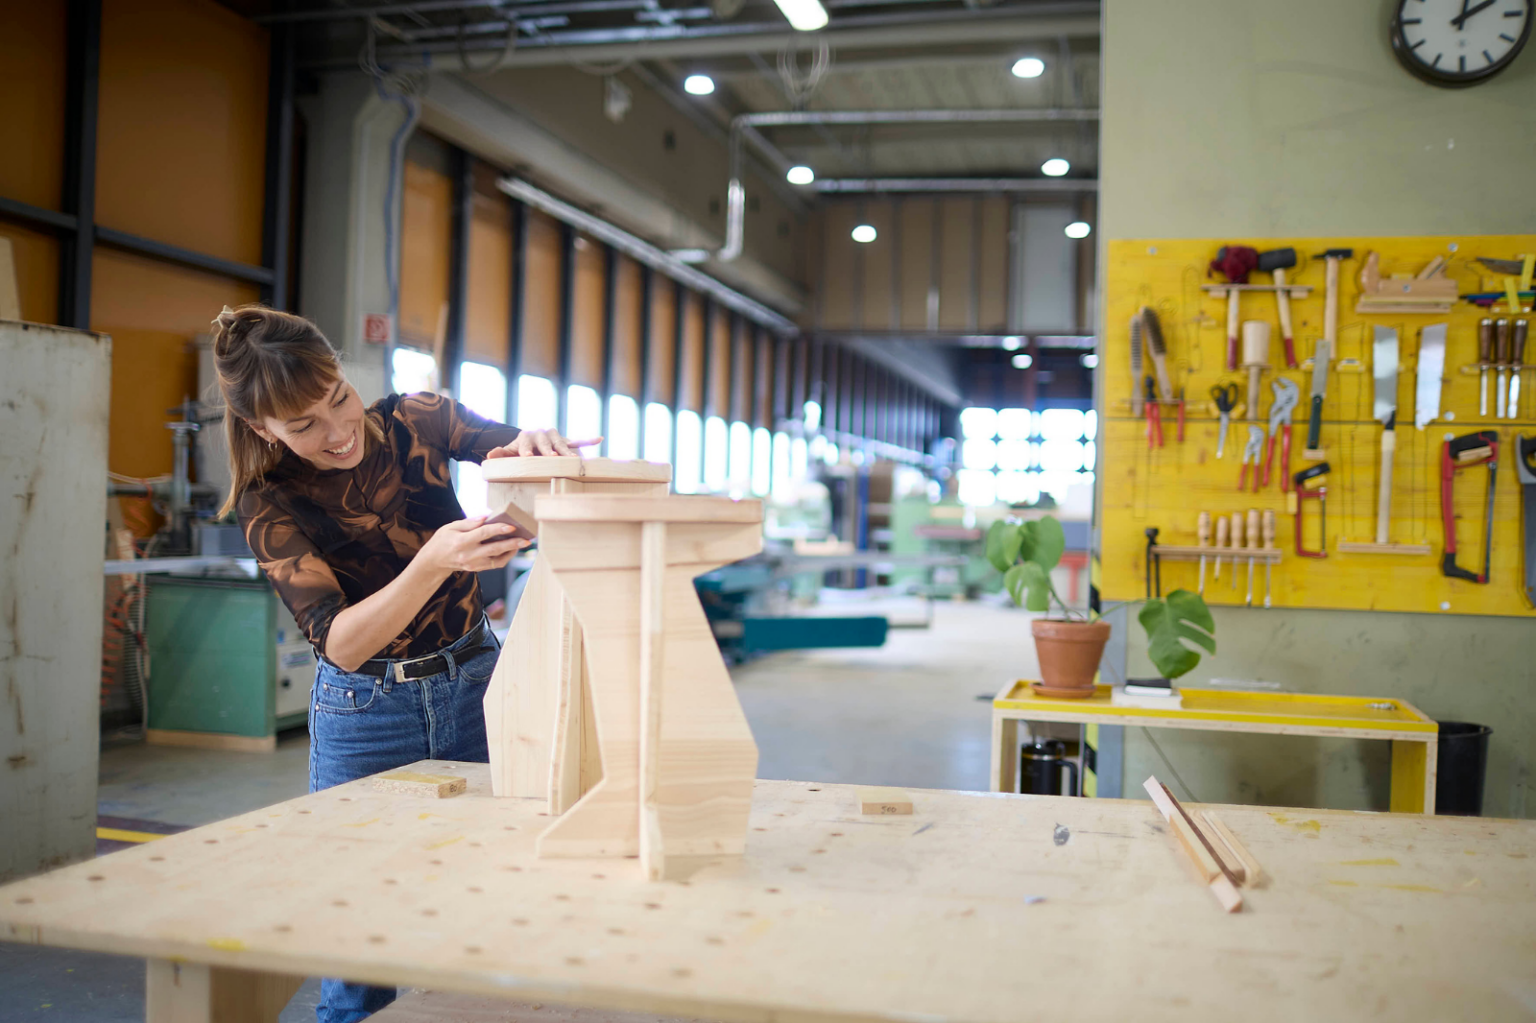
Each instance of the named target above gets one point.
<point>1461,19</point>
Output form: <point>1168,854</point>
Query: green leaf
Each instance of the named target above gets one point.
<point>1003,545</point>
<point>1038,581</point>
<point>1050,542</point>
<point>1013,582</point>
<point>1170,624</point>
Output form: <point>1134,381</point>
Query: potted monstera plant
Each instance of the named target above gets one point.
<point>1069,646</point>
<point>1179,619</point>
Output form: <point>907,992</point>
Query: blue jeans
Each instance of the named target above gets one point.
<point>361,725</point>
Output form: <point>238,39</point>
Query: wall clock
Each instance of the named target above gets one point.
<point>1457,43</point>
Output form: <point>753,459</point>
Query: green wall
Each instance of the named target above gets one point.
<point>1247,118</point>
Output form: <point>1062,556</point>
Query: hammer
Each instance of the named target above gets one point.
<point>1234,262</point>
<point>1331,308</point>
<point>1277,262</point>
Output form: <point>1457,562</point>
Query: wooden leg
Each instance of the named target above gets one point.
<point>653,653</point>
<point>196,993</point>
<point>1005,753</point>
<point>1413,776</point>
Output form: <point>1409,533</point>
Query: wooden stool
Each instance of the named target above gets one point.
<point>677,757</point>
<point>539,736</point>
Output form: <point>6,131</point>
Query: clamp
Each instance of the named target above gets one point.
<point>1287,397</point>
<point>1321,494</point>
<point>1464,452</point>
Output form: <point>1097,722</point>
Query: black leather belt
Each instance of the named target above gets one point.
<point>421,667</point>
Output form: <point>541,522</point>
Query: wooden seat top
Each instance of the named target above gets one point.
<point>632,508</point>
<point>560,467</point>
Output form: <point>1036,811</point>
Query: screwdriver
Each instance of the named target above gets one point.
<point>1237,544</point>
<point>1516,359</point>
<point>1221,541</point>
<point>1501,354</point>
<point>1269,545</point>
<point>1203,533</point>
<point>1484,356</point>
<point>1253,545</point>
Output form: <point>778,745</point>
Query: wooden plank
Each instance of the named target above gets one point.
<point>1355,913</point>
<point>179,992</point>
<point>450,1007</point>
<point>653,669</point>
<point>592,470</point>
<point>624,508</point>
<point>10,299</point>
<point>1248,870</point>
<point>211,740</point>
<point>1413,776</point>
<point>1196,847</point>
<point>884,801</point>
<point>418,783</point>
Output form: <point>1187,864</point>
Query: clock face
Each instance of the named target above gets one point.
<point>1460,42</point>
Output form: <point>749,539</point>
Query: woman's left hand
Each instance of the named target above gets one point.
<point>541,442</point>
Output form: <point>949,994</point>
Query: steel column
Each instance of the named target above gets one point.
<point>610,316</point>
<point>515,305</point>
<point>462,175</point>
<point>82,88</point>
<point>567,316</point>
<point>277,204</point>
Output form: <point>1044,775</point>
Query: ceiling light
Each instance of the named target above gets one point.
<point>1023,360</point>
<point>800,175</point>
<point>698,85</point>
<point>1055,167</point>
<point>1012,344</point>
<point>803,15</point>
<point>1078,229</point>
<point>864,233</point>
<point>1090,360</point>
<point>1028,67</point>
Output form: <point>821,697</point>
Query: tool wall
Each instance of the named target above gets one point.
<point>1146,484</point>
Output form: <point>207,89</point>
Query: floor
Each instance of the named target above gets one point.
<point>908,713</point>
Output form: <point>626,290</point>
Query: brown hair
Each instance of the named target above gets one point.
<point>269,363</point>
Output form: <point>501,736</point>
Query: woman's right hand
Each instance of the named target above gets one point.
<point>470,545</point>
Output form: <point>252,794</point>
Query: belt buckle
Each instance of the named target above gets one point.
<point>399,667</point>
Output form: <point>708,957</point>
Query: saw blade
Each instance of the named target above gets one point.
<point>1426,389</point>
<point>1320,356</point>
<point>1384,370</point>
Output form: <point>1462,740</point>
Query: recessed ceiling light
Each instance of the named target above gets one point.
<point>698,85</point>
<point>1078,229</point>
<point>864,233</point>
<point>1028,67</point>
<point>1023,360</point>
<point>1012,344</point>
<point>803,15</point>
<point>800,175</point>
<point>1055,167</point>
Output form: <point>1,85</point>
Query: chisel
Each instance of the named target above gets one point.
<point>1203,535</point>
<point>1221,541</point>
<point>1269,544</point>
<point>1484,357</point>
<point>1516,360</point>
<point>1237,545</point>
<point>1253,545</point>
<point>1500,356</point>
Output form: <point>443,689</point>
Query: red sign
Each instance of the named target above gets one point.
<point>376,328</point>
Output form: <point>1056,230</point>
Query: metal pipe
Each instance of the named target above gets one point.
<point>648,254</point>
<point>1069,185</point>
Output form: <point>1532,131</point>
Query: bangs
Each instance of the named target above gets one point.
<point>288,383</point>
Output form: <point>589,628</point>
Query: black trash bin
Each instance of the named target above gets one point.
<point>1460,765</point>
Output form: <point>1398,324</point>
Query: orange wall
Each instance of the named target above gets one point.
<point>626,328</point>
<point>182,131</point>
<point>587,308</point>
<point>663,328</point>
<point>490,272</point>
<point>32,46</point>
<point>426,233</point>
<point>541,307</point>
<point>693,354</point>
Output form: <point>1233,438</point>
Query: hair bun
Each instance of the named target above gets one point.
<point>224,327</point>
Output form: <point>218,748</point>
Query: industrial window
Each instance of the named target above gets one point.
<point>482,389</point>
<point>536,405</point>
<point>690,448</point>
<point>716,453</point>
<point>658,432</point>
<point>623,439</point>
<point>1016,455</point>
<point>762,461</point>
<point>740,477</point>
<point>781,476</point>
<point>413,371</point>
<point>583,412</point>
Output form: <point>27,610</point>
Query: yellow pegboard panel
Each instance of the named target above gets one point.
<point>1169,486</point>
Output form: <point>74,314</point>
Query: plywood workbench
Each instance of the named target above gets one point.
<point>977,908</point>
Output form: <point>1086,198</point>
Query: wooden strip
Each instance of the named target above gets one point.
<point>627,508</point>
<point>653,655</point>
<point>884,801</point>
<point>210,740</point>
<point>1201,836</point>
<point>121,835</point>
<point>1252,874</point>
<point>417,783</point>
<point>1211,869</point>
<point>592,470</point>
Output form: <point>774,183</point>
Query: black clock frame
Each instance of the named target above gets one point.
<point>1453,80</point>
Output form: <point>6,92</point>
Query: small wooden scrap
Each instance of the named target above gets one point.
<point>416,783</point>
<point>884,802</point>
<point>1248,869</point>
<point>1217,876</point>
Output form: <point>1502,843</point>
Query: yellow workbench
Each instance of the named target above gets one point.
<point>1414,736</point>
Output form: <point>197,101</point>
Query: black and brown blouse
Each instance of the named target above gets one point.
<point>328,538</point>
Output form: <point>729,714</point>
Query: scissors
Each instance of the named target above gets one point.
<point>1225,397</point>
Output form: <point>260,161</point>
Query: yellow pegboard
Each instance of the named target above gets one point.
<point>1169,486</point>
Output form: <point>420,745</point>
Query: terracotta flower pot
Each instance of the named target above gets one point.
<point>1069,654</point>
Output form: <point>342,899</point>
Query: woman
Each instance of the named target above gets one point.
<point>352,515</point>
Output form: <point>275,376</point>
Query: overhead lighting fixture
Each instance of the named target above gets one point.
<point>803,15</point>
<point>800,175</point>
<point>1090,360</point>
<point>698,85</point>
<point>1023,360</point>
<point>1028,67</point>
<point>1012,344</point>
<point>1055,167</point>
<point>1078,229</point>
<point>864,233</point>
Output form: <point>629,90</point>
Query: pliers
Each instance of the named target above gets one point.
<point>1252,452</point>
<point>1225,397</point>
<point>1154,416</point>
<point>1287,395</point>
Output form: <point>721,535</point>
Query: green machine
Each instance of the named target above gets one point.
<point>228,667</point>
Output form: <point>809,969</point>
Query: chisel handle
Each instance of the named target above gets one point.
<point>1315,423</point>
<point>1384,497</point>
<point>1232,310</point>
<point>1283,300</point>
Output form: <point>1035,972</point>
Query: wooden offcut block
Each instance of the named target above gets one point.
<point>416,783</point>
<point>884,801</point>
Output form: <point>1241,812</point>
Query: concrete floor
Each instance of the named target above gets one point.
<point>909,713</point>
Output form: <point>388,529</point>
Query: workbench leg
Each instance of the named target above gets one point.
<point>1005,753</point>
<point>197,993</point>
<point>1413,776</point>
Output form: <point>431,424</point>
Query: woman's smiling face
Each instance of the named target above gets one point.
<point>329,434</point>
